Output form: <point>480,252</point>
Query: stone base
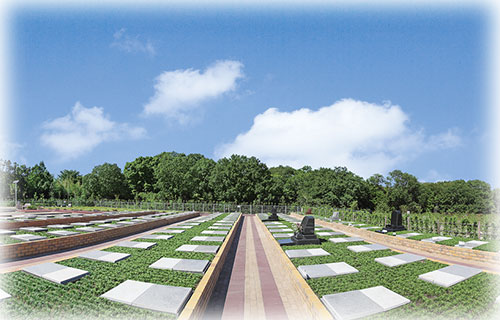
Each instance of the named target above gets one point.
<point>300,240</point>
<point>391,228</point>
<point>273,217</point>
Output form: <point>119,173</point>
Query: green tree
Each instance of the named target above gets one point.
<point>140,175</point>
<point>403,191</point>
<point>241,179</point>
<point>39,182</point>
<point>106,181</point>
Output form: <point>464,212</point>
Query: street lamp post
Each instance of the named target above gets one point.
<point>15,192</point>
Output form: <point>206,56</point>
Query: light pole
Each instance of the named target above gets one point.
<point>15,192</point>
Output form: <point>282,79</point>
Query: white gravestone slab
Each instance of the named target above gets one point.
<point>150,296</point>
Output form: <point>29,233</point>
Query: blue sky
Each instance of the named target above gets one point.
<point>373,90</point>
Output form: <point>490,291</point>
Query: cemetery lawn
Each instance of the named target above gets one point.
<point>471,299</point>
<point>36,298</point>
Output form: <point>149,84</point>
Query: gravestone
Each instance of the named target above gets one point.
<point>305,234</point>
<point>396,223</point>
<point>335,216</point>
<point>273,216</point>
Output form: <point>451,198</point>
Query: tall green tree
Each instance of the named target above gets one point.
<point>140,175</point>
<point>241,179</point>
<point>39,182</point>
<point>106,181</point>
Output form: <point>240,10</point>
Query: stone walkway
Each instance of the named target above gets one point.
<point>261,286</point>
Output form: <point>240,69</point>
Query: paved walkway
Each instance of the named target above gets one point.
<point>260,286</point>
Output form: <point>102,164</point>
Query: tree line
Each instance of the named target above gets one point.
<point>171,176</point>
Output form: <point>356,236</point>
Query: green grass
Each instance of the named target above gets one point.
<point>470,299</point>
<point>36,298</point>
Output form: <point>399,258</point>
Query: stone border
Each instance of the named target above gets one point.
<point>314,302</point>
<point>37,223</point>
<point>450,254</point>
<point>16,251</point>
<point>197,304</point>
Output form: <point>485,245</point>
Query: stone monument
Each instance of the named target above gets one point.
<point>273,216</point>
<point>396,223</point>
<point>335,216</point>
<point>305,234</point>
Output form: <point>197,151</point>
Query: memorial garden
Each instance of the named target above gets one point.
<point>178,236</point>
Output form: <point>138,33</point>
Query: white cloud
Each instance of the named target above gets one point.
<point>366,138</point>
<point>178,93</point>
<point>84,129</point>
<point>130,44</point>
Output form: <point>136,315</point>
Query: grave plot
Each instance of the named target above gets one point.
<point>367,248</point>
<point>302,253</point>
<point>59,226</point>
<point>127,223</point>
<point>280,230</point>
<point>6,232</point>
<point>219,228</point>
<point>27,237</point>
<point>104,256</point>
<point>33,229</point>
<point>449,276</point>
<point>198,248</point>
<point>89,229</point>
<point>273,223</point>
<point>327,234</point>
<point>109,225</point>
<point>325,270</point>
<point>471,244</point>
<point>82,224</point>
<point>171,231</point>
<point>282,235</point>
<point>99,221</point>
<point>224,233</point>
<point>135,244</point>
<point>185,265</point>
<point>407,235</point>
<point>208,239</point>
<point>156,237</point>
<point>4,295</point>
<point>150,296</point>
<point>181,227</point>
<point>61,233</point>
<point>55,272</point>
<point>322,229</point>
<point>347,239</point>
<point>362,303</point>
<point>399,259</point>
<point>436,239</point>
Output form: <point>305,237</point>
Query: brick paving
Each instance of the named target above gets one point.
<point>260,285</point>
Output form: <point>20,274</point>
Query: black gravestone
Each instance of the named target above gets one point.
<point>305,234</point>
<point>273,216</point>
<point>396,223</point>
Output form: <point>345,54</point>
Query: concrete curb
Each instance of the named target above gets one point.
<point>197,304</point>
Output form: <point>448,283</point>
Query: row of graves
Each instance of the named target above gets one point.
<point>103,221</point>
<point>396,228</point>
<point>366,301</point>
<point>157,272</point>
